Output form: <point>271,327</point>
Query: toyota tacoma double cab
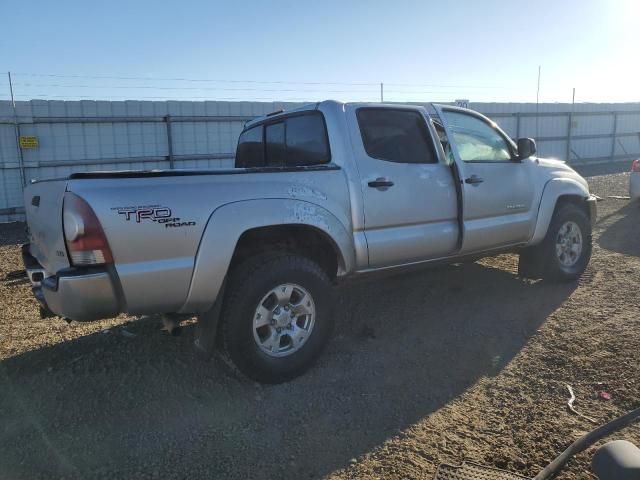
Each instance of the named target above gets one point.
<point>318,194</point>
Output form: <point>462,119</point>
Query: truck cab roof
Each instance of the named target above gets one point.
<point>324,105</point>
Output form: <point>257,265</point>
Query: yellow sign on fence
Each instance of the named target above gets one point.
<point>28,142</point>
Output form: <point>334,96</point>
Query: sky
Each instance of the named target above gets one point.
<point>487,50</point>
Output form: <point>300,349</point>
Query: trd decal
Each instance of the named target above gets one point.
<point>176,223</point>
<point>154,213</point>
<point>138,214</point>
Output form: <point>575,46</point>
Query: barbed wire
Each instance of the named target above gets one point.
<point>281,82</point>
<point>256,90</point>
<point>222,89</point>
<point>350,91</point>
<point>164,98</point>
<point>182,79</point>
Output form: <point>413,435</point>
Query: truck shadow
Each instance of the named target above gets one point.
<point>131,406</point>
<point>624,235</point>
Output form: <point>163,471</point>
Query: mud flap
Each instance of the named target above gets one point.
<point>530,263</point>
<point>207,327</point>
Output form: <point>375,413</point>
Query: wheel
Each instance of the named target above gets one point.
<point>276,316</point>
<point>565,251</point>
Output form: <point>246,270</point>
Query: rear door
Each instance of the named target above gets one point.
<point>409,196</point>
<point>497,188</point>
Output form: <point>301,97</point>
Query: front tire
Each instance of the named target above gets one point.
<point>277,316</point>
<point>565,252</point>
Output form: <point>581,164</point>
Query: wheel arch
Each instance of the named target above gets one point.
<point>558,191</point>
<point>239,229</point>
<point>307,239</point>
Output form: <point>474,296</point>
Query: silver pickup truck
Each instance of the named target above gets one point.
<point>318,194</point>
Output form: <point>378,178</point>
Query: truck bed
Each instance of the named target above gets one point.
<point>154,221</point>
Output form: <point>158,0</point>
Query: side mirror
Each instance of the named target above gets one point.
<point>526,148</point>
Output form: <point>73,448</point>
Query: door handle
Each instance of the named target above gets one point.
<point>381,183</point>
<point>473,180</point>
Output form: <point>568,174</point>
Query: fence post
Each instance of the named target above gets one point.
<point>517,125</point>
<point>569,126</point>
<point>167,121</point>
<point>16,128</point>
<point>613,135</point>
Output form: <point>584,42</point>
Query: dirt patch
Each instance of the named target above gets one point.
<point>462,362</point>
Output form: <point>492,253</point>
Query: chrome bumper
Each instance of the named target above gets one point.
<point>80,294</point>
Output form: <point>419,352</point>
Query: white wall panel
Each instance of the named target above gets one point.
<point>552,148</point>
<point>591,148</point>
<point>591,124</point>
<point>546,126</point>
<point>628,146</point>
<point>628,123</point>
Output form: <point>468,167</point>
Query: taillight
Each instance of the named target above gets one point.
<point>635,166</point>
<point>86,242</point>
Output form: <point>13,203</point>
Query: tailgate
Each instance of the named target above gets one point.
<point>43,208</point>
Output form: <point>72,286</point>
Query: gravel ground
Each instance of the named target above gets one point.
<point>461,362</point>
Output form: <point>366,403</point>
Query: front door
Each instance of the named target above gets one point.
<point>408,192</point>
<point>497,187</point>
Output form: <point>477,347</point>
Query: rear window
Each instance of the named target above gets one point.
<point>299,140</point>
<point>399,136</point>
<point>274,143</point>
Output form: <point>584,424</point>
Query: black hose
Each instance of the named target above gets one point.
<point>586,441</point>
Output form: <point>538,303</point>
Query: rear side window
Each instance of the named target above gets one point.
<point>399,136</point>
<point>306,140</point>
<point>299,140</point>
<point>250,151</point>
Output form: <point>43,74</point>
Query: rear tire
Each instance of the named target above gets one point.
<point>277,316</point>
<point>565,251</point>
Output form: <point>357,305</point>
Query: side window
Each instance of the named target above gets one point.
<point>475,140</point>
<point>299,140</point>
<point>274,143</point>
<point>250,151</point>
<point>399,136</point>
<point>306,140</point>
<point>444,141</point>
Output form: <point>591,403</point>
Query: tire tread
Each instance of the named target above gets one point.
<point>239,281</point>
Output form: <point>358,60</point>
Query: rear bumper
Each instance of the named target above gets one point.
<point>81,294</point>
